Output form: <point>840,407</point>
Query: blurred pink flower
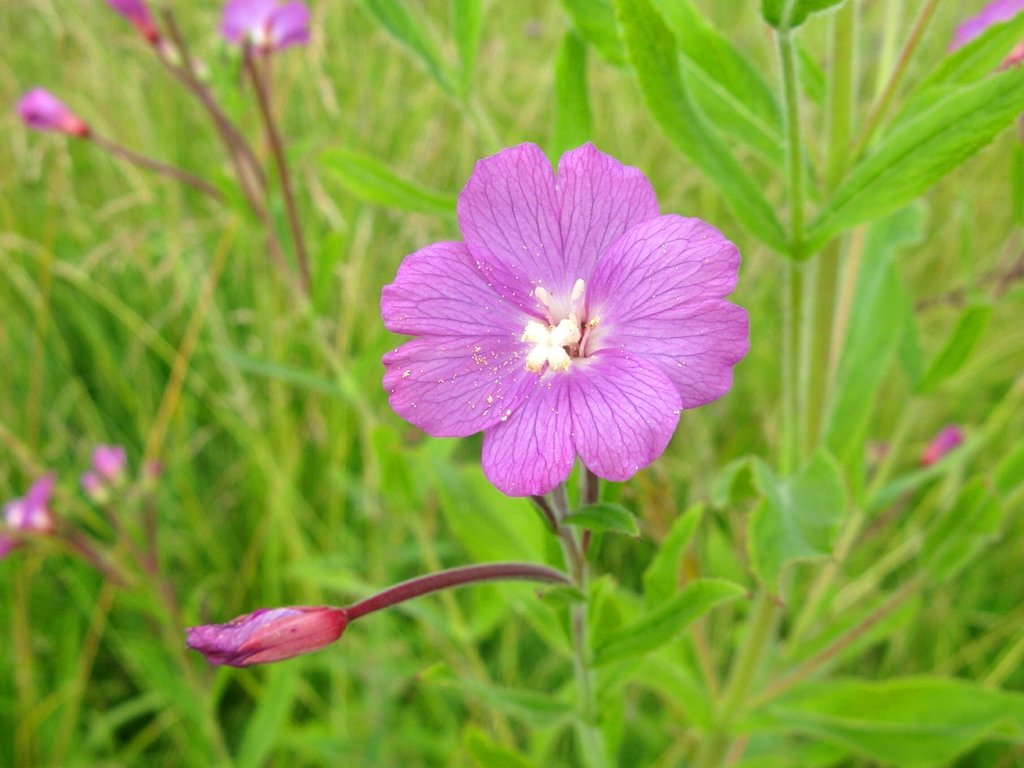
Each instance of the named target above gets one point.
<point>994,13</point>
<point>109,461</point>
<point>43,111</point>
<point>137,12</point>
<point>269,634</point>
<point>948,439</point>
<point>265,24</point>
<point>30,513</point>
<point>573,320</point>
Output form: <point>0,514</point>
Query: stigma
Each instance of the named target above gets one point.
<point>558,341</point>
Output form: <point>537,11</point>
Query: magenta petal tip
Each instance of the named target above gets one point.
<point>43,111</point>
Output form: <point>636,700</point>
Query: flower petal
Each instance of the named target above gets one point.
<point>995,12</point>
<point>243,17</point>
<point>456,386</point>
<point>599,198</point>
<point>443,290</point>
<point>508,216</point>
<point>624,411</point>
<point>695,345</point>
<point>530,451</point>
<point>289,25</point>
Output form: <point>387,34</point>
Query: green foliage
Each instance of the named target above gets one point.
<point>957,349</point>
<point>573,124</point>
<point>603,517</point>
<point>372,181</point>
<point>789,14</point>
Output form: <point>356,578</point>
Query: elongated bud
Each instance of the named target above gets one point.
<point>949,438</point>
<point>43,111</point>
<point>270,634</point>
<point>137,12</point>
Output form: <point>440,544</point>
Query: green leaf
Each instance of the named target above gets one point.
<point>725,481</point>
<point>652,51</point>
<point>1009,473</point>
<point>467,20</point>
<point>790,14</point>
<point>876,330</point>
<point>723,83</point>
<point>394,16</point>
<point>573,119</point>
<point>536,708</point>
<point>372,181</point>
<point>913,721</point>
<point>957,349</point>
<point>920,151</point>
<point>489,754</point>
<point>660,625</point>
<point>798,518</point>
<point>595,22</point>
<point>662,576</point>
<point>604,517</point>
<point>273,713</point>
<point>963,531</point>
<point>979,58</point>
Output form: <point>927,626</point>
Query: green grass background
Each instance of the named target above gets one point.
<point>288,480</point>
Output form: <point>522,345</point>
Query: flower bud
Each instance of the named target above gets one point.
<point>109,461</point>
<point>949,438</point>
<point>137,12</point>
<point>43,111</point>
<point>29,514</point>
<point>269,634</point>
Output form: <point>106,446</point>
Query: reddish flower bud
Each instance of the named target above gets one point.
<point>43,111</point>
<point>137,12</point>
<point>269,634</point>
<point>949,438</point>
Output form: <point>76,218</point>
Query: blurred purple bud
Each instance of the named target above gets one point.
<point>30,513</point>
<point>137,12</point>
<point>994,13</point>
<point>43,111</point>
<point>269,634</point>
<point>109,461</point>
<point>949,438</point>
<point>265,24</point>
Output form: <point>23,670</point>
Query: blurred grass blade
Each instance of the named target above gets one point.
<point>573,119</point>
<point>979,58</point>
<point>790,14</point>
<point>467,19</point>
<point>664,574</point>
<point>394,16</point>
<point>373,182</point>
<point>1009,474</point>
<point>957,349</point>
<point>273,710</point>
<point>919,152</point>
<point>604,517</point>
<point>798,518</point>
<point>659,626</point>
<point>652,52</point>
<point>487,753</point>
<point>968,527</point>
<point>595,22</point>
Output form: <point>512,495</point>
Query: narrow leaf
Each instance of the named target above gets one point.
<point>604,517</point>
<point>963,531</point>
<point>652,51</point>
<point>658,627</point>
<point>921,151</point>
<point>957,349</point>
<point>394,16</point>
<point>790,14</point>
<point>798,518</point>
<point>573,119</point>
<point>467,20</point>
<point>595,22</point>
<point>486,753</point>
<point>1009,474</point>
<point>273,713</point>
<point>663,576</point>
<point>372,181</point>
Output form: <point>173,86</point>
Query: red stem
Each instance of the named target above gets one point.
<point>454,577</point>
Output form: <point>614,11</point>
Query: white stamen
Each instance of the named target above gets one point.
<point>577,292</point>
<point>542,296</point>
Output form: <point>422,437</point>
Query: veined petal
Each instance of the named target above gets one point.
<point>530,452</point>
<point>599,198</point>
<point>443,290</point>
<point>508,216</point>
<point>695,345</point>
<point>456,386</point>
<point>624,411</point>
<point>289,25</point>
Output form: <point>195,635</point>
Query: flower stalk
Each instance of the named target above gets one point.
<point>163,169</point>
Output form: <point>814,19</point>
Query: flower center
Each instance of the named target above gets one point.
<point>562,338</point>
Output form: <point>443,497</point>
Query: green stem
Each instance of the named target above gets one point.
<point>794,145</point>
<point>737,692</point>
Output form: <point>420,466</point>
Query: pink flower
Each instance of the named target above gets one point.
<point>137,12</point>
<point>265,24</point>
<point>949,438</point>
<point>269,634</point>
<point>43,111</point>
<point>994,13</point>
<point>30,513</point>
<point>572,320</point>
<point>109,461</point>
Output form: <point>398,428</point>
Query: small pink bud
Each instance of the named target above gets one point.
<point>29,513</point>
<point>43,111</point>
<point>949,438</point>
<point>109,461</point>
<point>269,634</point>
<point>137,12</point>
